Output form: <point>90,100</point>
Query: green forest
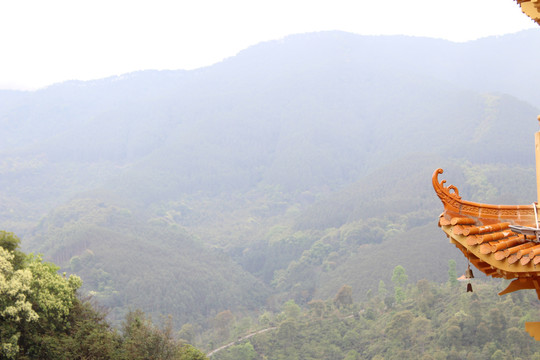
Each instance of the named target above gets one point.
<point>279,202</point>
<point>42,316</point>
<point>401,320</point>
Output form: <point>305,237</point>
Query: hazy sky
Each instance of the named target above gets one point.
<point>44,42</point>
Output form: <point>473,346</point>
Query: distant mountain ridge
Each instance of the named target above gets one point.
<point>273,95</point>
<point>493,64</point>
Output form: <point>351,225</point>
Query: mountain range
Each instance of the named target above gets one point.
<point>295,167</point>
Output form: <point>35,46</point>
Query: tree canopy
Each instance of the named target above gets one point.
<point>42,317</point>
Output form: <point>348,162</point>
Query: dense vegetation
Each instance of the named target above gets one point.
<point>426,320</point>
<point>42,317</point>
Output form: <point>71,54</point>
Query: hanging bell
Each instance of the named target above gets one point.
<point>469,287</point>
<point>468,273</point>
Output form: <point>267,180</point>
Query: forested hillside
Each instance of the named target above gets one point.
<point>400,320</point>
<point>42,316</point>
<point>284,172</point>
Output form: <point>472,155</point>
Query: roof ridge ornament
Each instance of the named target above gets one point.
<point>440,189</point>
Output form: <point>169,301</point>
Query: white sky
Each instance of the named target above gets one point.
<point>48,41</point>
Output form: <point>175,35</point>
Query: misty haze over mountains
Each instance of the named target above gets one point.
<point>222,179</point>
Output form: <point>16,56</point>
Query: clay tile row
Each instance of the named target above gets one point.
<point>496,239</point>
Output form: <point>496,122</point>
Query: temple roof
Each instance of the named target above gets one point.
<point>531,8</point>
<point>483,233</point>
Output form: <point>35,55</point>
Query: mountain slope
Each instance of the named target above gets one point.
<point>276,172</point>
